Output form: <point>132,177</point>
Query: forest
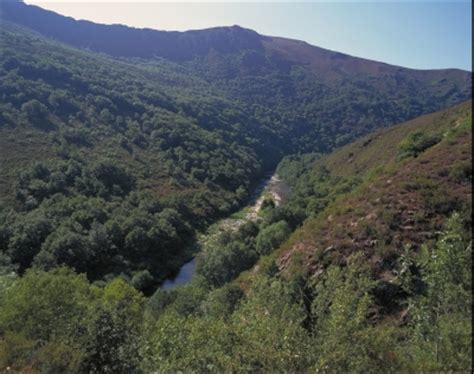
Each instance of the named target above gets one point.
<point>82,143</point>
<point>245,310</point>
<point>113,164</point>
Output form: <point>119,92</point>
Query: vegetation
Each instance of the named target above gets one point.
<point>266,322</point>
<point>111,164</point>
<point>55,320</point>
<point>416,143</point>
<point>94,220</point>
<point>93,138</point>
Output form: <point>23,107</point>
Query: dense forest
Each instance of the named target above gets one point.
<point>399,305</point>
<point>115,159</point>
<point>86,136</point>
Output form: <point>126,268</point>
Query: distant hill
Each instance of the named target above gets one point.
<point>297,89</point>
<point>123,41</point>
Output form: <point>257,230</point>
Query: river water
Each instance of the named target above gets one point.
<point>272,185</point>
<point>184,275</point>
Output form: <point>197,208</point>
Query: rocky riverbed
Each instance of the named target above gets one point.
<point>271,187</point>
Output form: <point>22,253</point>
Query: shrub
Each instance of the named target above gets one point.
<point>417,143</point>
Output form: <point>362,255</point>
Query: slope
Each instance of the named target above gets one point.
<point>314,97</point>
<point>87,140</point>
<point>163,142</point>
<point>389,192</point>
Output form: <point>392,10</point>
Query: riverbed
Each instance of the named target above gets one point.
<point>271,186</point>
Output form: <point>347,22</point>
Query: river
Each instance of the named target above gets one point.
<point>270,186</point>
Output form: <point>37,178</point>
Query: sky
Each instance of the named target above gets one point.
<point>415,34</point>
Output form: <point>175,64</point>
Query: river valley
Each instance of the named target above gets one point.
<point>271,187</point>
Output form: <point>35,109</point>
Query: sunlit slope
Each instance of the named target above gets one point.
<point>410,178</point>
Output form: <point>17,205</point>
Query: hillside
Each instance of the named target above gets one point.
<point>124,152</point>
<point>364,269</point>
<point>293,88</point>
<point>179,139</point>
<point>370,257</point>
<point>380,196</point>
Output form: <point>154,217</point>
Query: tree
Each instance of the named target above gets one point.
<point>26,239</point>
<point>269,332</point>
<point>271,237</point>
<point>220,264</point>
<point>68,248</point>
<point>34,110</point>
<point>344,339</point>
<point>222,302</point>
<point>46,305</point>
<point>442,317</point>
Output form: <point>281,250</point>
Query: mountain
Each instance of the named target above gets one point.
<point>123,41</point>
<point>175,127</point>
<point>301,92</point>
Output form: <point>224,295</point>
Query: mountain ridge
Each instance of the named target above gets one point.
<point>22,13</point>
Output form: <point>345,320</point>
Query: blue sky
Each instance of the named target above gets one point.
<point>416,34</point>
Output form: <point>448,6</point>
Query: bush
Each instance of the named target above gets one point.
<point>461,171</point>
<point>417,143</point>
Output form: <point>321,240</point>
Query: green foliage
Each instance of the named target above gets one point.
<point>340,309</point>
<point>442,326</point>
<point>94,219</point>
<point>221,264</point>
<point>55,321</point>
<point>416,143</point>
<point>461,172</point>
<point>177,343</point>
<point>142,280</point>
<point>313,187</point>
<point>113,332</point>
<point>221,302</point>
<point>263,333</point>
<point>34,110</point>
<point>269,325</point>
<point>271,237</point>
<point>45,305</point>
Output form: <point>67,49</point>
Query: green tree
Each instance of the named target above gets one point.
<point>34,110</point>
<point>442,317</point>
<point>271,237</point>
<point>344,339</point>
<point>268,326</point>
